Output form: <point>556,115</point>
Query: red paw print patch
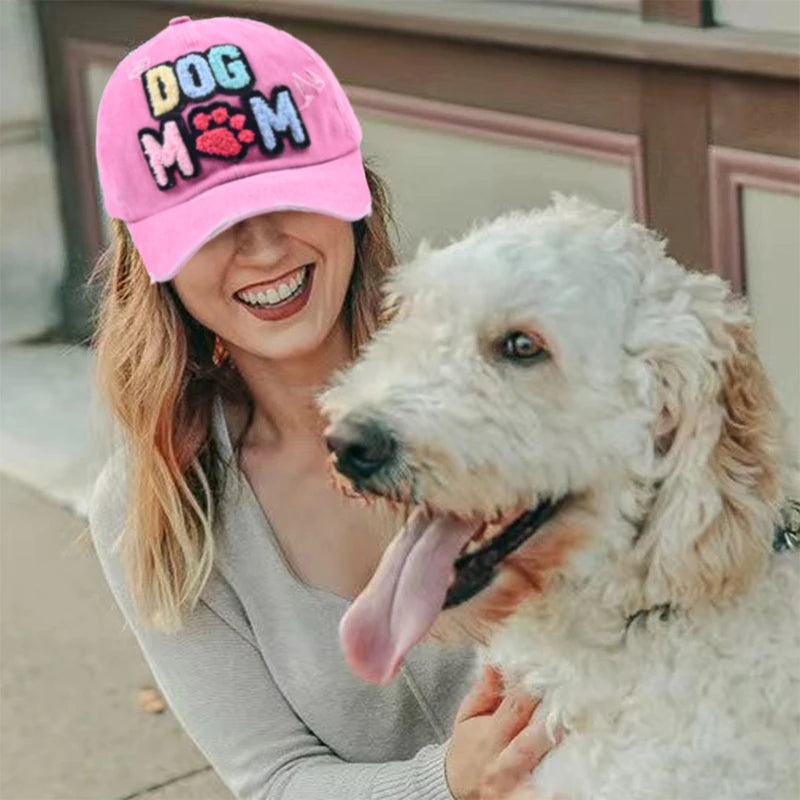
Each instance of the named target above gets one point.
<point>221,131</point>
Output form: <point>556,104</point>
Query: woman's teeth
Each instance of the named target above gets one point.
<point>285,290</point>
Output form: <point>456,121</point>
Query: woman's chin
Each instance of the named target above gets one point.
<point>294,345</point>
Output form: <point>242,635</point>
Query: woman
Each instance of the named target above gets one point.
<point>249,243</point>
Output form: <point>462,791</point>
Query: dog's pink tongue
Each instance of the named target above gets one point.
<point>405,595</point>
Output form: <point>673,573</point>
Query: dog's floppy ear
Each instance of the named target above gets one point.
<point>716,450</point>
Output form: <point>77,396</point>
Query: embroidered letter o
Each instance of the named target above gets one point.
<point>194,76</point>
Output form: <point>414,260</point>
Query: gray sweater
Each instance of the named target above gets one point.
<point>257,679</point>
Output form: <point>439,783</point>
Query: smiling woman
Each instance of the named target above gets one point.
<point>244,272</point>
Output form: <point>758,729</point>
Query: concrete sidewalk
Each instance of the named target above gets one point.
<point>71,728</point>
<point>54,435</point>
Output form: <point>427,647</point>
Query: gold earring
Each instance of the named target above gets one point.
<point>220,353</point>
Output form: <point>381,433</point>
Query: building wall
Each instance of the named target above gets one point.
<point>780,16</point>
<point>772,263</point>
<point>31,247</point>
<point>441,181</point>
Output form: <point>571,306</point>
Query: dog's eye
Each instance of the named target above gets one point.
<point>521,347</point>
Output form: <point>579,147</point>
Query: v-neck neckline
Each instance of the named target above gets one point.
<point>223,436</point>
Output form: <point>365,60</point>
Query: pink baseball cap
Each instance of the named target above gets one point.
<point>212,121</point>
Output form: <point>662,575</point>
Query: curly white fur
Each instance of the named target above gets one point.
<point>654,414</point>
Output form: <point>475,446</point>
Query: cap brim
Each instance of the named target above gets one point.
<point>167,240</point>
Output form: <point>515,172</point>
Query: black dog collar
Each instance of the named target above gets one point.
<point>475,571</point>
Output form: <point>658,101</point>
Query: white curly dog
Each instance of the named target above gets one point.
<point>559,361</point>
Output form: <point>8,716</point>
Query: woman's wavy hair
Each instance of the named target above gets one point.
<point>154,366</point>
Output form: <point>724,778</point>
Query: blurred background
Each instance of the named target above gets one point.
<point>686,113</point>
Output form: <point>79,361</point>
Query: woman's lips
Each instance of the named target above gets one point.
<point>287,307</point>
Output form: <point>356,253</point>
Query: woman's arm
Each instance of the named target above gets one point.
<point>220,689</point>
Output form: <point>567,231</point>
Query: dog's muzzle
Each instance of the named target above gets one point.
<point>362,446</point>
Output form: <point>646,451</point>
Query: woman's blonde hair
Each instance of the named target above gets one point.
<point>155,368</point>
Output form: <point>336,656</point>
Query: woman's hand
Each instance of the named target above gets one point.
<point>493,747</point>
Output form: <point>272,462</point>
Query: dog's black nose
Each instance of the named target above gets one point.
<point>362,447</point>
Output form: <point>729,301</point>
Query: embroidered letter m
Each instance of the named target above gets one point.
<point>166,153</point>
<point>278,118</point>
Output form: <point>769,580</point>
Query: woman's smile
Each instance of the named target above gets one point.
<point>280,298</point>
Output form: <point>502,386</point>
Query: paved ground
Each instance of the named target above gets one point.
<point>71,728</point>
<point>53,433</point>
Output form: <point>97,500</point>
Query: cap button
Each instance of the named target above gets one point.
<point>179,20</point>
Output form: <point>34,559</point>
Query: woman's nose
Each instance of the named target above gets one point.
<point>260,239</point>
